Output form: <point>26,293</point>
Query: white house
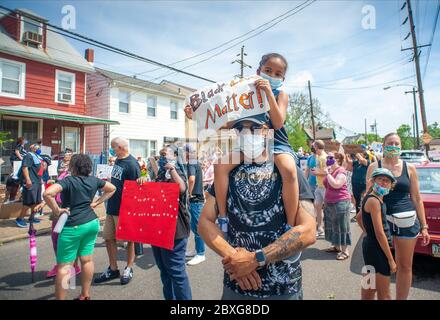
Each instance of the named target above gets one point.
<point>150,115</point>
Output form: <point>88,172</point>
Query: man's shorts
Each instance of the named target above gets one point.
<point>110,225</point>
<point>77,241</point>
<point>319,195</point>
<point>32,196</point>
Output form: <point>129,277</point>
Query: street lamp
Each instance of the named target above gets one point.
<point>413,91</point>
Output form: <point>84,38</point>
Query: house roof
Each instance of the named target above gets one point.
<point>351,139</point>
<point>59,51</point>
<point>138,83</point>
<point>322,134</point>
<point>187,90</point>
<point>46,113</point>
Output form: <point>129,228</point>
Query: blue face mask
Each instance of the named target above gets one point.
<point>275,83</point>
<point>112,152</point>
<point>38,152</point>
<point>381,191</point>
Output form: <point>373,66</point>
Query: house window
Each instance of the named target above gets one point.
<point>65,87</point>
<point>153,148</point>
<point>124,101</point>
<point>12,79</point>
<point>31,25</point>
<point>143,148</point>
<point>151,106</point>
<point>173,110</point>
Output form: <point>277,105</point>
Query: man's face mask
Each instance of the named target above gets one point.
<point>252,145</point>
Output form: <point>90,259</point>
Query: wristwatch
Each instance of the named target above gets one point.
<point>261,258</point>
<point>424,226</point>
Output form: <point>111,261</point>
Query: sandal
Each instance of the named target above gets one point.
<point>342,256</point>
<point>332,249</point>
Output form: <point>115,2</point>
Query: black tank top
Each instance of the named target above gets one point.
<point>399,199</point>
<point>368,222</point>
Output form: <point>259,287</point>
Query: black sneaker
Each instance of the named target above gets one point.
<point>127,275</point>
<point>107,275</point>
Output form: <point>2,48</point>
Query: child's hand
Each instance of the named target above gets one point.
<point>263,84</point>
<point>188,111</point>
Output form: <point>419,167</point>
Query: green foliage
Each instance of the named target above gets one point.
<point>434,130</point>
<point>4,137</point>
<point>371,137</point>
<point>404,132</point>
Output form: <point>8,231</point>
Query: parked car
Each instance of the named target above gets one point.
<point>429,182</point>
<point>414,156</point>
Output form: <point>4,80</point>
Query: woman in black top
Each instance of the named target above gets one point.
<point>405,211</point>
<point>19,151</point>
<point>376,244</point>
<point>77,238</point>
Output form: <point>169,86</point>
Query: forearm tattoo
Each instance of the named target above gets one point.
<point>288,245</point>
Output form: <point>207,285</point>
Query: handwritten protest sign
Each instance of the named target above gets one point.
<point>53,168</point>
<point>352,148</point>
<point>104,171</point>
<point>332,146</point>
<point>149,213</point>
<point>217,106</point>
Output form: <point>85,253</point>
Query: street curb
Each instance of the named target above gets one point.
<point>41,231</point>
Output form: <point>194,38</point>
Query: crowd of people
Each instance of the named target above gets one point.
<point>257,215</point>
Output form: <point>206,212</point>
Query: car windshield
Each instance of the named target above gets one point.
<point>412,155</point>
<point>429,180</point>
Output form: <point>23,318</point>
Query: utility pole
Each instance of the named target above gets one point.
<point>374,128</point>
<point>414,131</point>
<point>366,136</point>
<point>418,74</point>
<point>416,121</point>
<point>311,111</point>
<point>241,62</point>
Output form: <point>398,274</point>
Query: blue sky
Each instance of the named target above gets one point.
<point>324,43</point>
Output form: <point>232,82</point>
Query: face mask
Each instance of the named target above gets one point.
<point>381,191</point>
<point>38,151</point>
<point>275,83</point>
<point>391,151</point>
<point>112,152</point>
<point>330,162</point>
<point>252,146</point>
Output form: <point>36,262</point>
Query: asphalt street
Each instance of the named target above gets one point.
<point>323,276</point>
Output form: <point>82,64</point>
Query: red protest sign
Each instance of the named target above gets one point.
<point>148,213</point>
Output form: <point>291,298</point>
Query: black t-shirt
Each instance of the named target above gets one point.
<point>35,170</point>
<point>21,150</point>
<point>182,226</point>
<point>124,169</point>
<point>257,219</point>
<point>78,193</point>
<point>194,169</point>
<point>359,172</point>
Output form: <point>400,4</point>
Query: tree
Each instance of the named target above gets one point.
<point>371,137</point>
<point>4,137</point>
<point>404,132</point>
<point>297,138</point>
<point>434,130</point>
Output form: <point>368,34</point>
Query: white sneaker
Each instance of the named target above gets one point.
<point>190,254</point>
<point>196,260</point>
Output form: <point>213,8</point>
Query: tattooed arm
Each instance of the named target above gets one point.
<point>289,244</point>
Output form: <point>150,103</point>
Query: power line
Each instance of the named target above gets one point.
<point>104,46</point>
<point>432,38</point>
<point>361,88</point>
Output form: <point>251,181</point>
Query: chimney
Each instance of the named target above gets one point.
<point>90,55</point>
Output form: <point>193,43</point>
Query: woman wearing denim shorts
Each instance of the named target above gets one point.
<point>405,211</point>
<point>78,237</point>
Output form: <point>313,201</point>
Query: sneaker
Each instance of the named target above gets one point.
<point>320,233</point>
<point>52,273</point>
<point>21,223</point>
<point>190,254</point>
<point>107,275</point>
<point>196,260</point>
<point>127,275</point>
<point>34,220</point>
<point>353,219</point>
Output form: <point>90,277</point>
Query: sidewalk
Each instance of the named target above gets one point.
<point>10,232</point>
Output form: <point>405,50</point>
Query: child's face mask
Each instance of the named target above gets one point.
<point>275,83</point>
